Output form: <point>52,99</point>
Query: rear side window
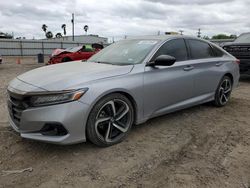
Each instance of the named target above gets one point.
<point>217,51</point>
<point>200,49</point>
<point>176,48</point>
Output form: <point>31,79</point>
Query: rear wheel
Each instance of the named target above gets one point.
<point>223,92</point>
<point>66,59</point>
<point>110,120</point>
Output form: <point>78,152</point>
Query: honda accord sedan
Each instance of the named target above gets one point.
<point>125,84</point>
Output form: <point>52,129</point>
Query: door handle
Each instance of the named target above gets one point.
<point>218,64</point>
<point>188,68</point>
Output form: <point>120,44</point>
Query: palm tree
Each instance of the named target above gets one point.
<point>59,35</point>
<point>49,35</point>
<point>86,28</point>
<point>44,28</point>
<point>64,29</point>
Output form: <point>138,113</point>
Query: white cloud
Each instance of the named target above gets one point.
<point>125,17</point>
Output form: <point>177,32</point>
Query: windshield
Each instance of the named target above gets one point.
<point>124,52</point>
<point>244,38</point>
<point>74,49</point>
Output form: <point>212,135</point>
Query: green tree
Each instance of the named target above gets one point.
<point>223,36</point>
<point>86,28</point>
<point>206,37</point>
<point>44,28</point>
<point>64,29</point>
<point>49,35</point>
<point>59,35</point>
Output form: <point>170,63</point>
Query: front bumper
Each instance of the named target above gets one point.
<point>54,60</point>
<point>72,116</point>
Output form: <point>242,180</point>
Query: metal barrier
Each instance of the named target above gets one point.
<point>23,47</point>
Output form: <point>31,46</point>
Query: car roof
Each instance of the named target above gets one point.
<point>247,33</point>
<point>161,37</point>
<point>164,37</point>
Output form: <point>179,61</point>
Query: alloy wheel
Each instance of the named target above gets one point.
<point>113,120</point>
<point>225,91</point>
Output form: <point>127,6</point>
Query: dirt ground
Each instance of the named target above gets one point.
<point>201,146</point>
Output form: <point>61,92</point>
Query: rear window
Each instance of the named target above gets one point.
<point>200,49</point>
<point>217,51</point>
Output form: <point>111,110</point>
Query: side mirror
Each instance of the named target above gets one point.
<point>163,60</point>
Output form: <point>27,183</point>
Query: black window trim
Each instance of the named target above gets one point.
<point>188,49</point>
<point>214,48</point>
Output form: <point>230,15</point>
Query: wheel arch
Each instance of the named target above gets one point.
<point>230,76</point>
<point>66,58</point>
<point>132,100</point>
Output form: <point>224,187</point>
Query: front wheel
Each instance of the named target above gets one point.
<point>110,120</point>
<point>223,92</point>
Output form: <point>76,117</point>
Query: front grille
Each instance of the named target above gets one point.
<point>239,51</point>
<point>16,105</point>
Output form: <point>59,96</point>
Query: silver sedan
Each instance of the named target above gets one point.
<point>126,83</point>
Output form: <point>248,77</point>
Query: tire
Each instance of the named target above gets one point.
<point>110,120</point>
<point>223,92</point>
<point>66,59</point>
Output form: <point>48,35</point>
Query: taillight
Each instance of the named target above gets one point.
<point>237,61</point>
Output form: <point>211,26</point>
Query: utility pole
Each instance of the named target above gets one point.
<point>73,26</point>
<point>181,32</point>
<point>199,33</point>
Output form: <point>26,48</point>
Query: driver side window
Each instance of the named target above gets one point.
<point>176,48</point>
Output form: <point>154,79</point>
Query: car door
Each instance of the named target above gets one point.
<point>80,54</point>
<point>76,55</point>
<point>166,88</point>
<point>85,53</point>
<point>207,64</point>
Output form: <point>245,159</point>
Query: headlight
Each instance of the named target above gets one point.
<point>50,98</point>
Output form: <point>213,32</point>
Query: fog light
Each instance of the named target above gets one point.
<point>53,129</point>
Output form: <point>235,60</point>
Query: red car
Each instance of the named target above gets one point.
<point>73,54</point>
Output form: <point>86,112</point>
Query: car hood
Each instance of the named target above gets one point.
<point>235,44</point>
<point>57,52</point>
<point>67,75</point>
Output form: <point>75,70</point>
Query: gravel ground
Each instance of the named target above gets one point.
<point>201,146</point>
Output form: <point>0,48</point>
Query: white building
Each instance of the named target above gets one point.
<point>89,39</point>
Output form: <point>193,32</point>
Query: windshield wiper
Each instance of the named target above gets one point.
<point>126,64</point>
<point>119,64</point>
<point>102,62</point>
